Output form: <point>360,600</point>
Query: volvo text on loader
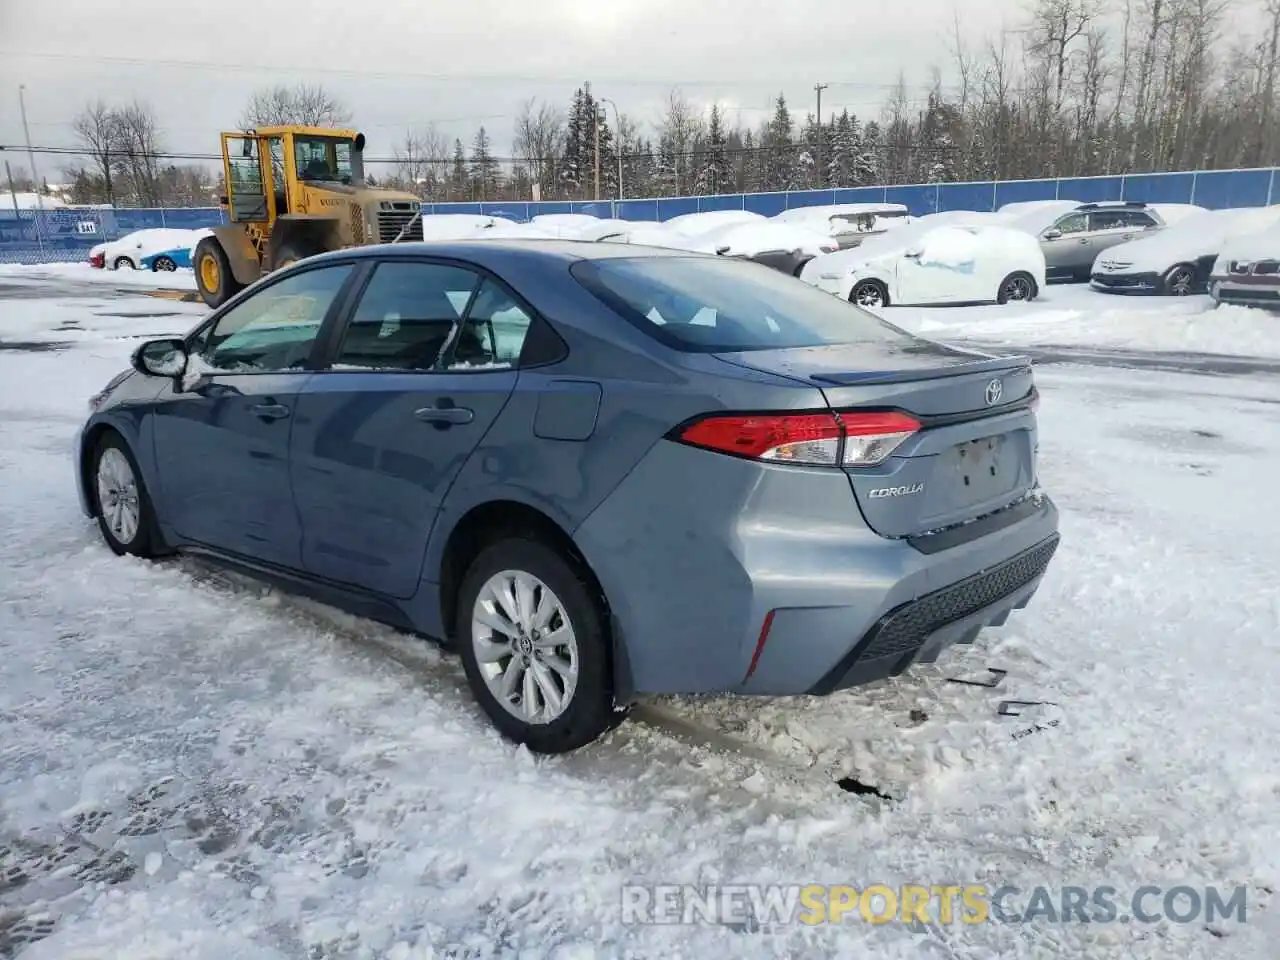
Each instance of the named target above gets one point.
<point>293,192</point>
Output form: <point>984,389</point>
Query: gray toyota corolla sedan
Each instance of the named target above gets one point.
<point>598,470</point>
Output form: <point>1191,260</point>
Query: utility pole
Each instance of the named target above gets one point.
<point>31,157</point>
<point>13,191</point>
<point>617,138</point>
<point>35,176</point>
<point>595,110</point>
<point>817,147</point>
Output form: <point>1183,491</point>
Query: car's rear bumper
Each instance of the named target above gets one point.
<point>919,630</point>
<point>1127,282</point>
<point>724,575</point>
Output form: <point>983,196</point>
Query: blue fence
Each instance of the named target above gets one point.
<point>67,235</point>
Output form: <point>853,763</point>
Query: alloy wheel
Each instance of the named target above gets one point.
<point>869,295</point>
<point>118,498</point>
<point>525,646</point>
<point>1180,282</point>
<point>1017,288</point>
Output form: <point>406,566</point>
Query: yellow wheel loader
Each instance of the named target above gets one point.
<point>293,192</point>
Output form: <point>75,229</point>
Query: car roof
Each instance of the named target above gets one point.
<point>492,252</point>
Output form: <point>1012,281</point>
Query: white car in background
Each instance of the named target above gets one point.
<point>930,264</point>
<point>1178,260</point>
<point>132,249</point>
<point>848,223</point>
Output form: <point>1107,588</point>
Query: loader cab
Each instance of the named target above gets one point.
<point>277,171</point>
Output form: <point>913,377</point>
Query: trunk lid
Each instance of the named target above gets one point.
<point>975,451</point>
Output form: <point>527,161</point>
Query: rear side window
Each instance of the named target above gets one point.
<point>719,304</point>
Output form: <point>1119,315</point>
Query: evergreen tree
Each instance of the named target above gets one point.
<point>485,171</point>
<point>459,182</point>
<point>844,150</point>
<point>574,169</point>
<point>715,175</point>
<point>779,164</point>
<point>870,163</point>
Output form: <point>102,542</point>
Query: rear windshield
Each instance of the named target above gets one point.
<point>722,304</point>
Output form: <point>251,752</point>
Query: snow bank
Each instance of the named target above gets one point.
<point>1079,317</point>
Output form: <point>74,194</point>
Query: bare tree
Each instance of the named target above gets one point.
<point>539,141</point>
<point>306,104</point>
<point>138,145</point>
<point>97,130</point>
<point>420,160</point>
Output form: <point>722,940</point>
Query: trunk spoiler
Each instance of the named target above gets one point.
<point>986,365</point>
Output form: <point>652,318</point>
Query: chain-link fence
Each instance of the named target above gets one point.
<point>63,235</point>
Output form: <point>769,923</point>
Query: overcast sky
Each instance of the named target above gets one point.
<point>403,63</point>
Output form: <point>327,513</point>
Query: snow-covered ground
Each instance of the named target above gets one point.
<point>80,273</point>
<point>193,766</point>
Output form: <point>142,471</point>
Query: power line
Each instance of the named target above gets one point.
<point>422,75</point>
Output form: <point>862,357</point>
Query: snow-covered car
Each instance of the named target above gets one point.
<point>133,248</point>
<point>848,223</point>
<point>927,264</point>
<point>1177,261</point>
<point>98,255</point>
<point>689,224</point>
<point>782,246</point>
<point>1247,272</point>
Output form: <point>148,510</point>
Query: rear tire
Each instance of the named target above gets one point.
<point>1017,287</point>
<point>869,294</point>
<point>214,279</point>
<point>545,706</point>
<point>1180,281</point>
<point>163,265</point>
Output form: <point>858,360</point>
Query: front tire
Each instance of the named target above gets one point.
<point>1018,287</point>
<point>123,507</point>
<point>119,263</point>
<point>531,634</point>
<point>1180,281</point>
<point>214,279</point>
<point>869,294</point>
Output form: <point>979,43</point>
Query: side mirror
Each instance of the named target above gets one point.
<point>161,358</point>
<point>1053,234</point>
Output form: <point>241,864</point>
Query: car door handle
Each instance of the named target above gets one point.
<point>446,415</point>
<point>269,411</point>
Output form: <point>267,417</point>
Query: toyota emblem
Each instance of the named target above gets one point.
<point>995,390</point>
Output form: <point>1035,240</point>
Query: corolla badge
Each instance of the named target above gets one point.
<point>907,491</point>
<point>995,390</point>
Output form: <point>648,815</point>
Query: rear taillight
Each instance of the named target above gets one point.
<point>852,438</point>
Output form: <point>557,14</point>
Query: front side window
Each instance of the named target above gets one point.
<point>275,329</point>
<point>406,316</point>
<point>1075,223</point>
<point>709,305</point>
<point>317,158</point>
